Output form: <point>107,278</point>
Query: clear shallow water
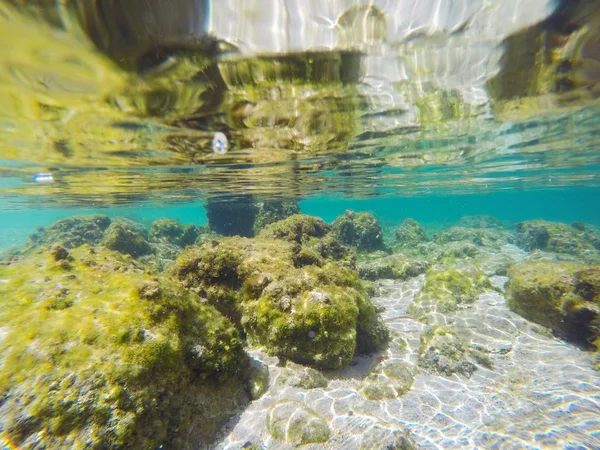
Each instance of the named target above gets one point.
<point>404,109</point>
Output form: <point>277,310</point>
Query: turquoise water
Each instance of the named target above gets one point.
<point>320,225</point>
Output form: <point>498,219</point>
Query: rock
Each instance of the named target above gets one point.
<point>296,424</point>
<point>447,290</point>
<point>58,252</point>
<point>493,238</point>
<point>388,381</point>
<point>127,237</point>
<point>582,241</point>
<point>73,232</point>
<point>297,228</point>
<point>170,231</point>
<point>358,230</point>
<point>396,267</point>
<point>480,221</point>
<point>232,217</point>
<point>297,375</point>
<point>312,314</point>
<point>257,378</point>
<point>558,295</point>
<point>443,353</point>
<point>127,361</point>
<point>410,233</point>
<point>273,211</point>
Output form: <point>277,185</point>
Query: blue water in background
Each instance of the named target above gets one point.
<point>433,211</point>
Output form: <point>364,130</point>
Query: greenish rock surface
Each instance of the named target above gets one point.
<point>442,352</point>
<point>296,424</point>
<point>396,267</point>
<point>359,230</point>
<point>128,237</point>
<point>169,231</point>
<point>72,232</point>
<point>98,354</point>
<point>388,381</point>
<point>447,290</point>
<point>483,237</point>
<point>296,228</point>
<point>410,232</point>
<point>579,240</point>
<point>311,314</point>
<point>273,211</point>
<point>559,295</point>
<point>297,375</point>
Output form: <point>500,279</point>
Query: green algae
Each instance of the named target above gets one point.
<point>98,354</point>
<point>558,295</point>
<point>447,290</point>
<point>170,231</point>
<point>359,230</point>
<point>317,312</point>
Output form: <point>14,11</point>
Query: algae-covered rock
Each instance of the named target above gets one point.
<point>73,231</point>
<point>442,352</point>
<point>410,232</point>
<point>296,424</point>
<point>170,231</point>
<point>389,381</point>
<point>447,290</point>
<point>309,314</point>
<point>297,375</point>
<point>257,378</point>
<point>482,237</point>
<point>359,230</point>
<point>128,237</point>
<point>274,211</point>
<point>581,241</point>
<point>558,295</point>
<point>297,228</point>
<point>97,354</point>
<point>397,267</point>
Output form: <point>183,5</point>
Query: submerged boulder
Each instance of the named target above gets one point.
<point>101,355</point>
<point>232,217</point>
<point>170,231</point>
<point>311,314</point>
<point>447,290</point>
<point>444,353</point>
<point>562,296</point>
<point>273,211</point>
<point>359,230</point>
<point>410,232</point>
<point>480,221</point>
<point>396,267</point>
<point>578,240</point>
<point>128,237</point>
<point>73,231</point>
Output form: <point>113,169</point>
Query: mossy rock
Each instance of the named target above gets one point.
<point>389,381</point>
<point>447,290</point>
<point>581,241</point>
<point>359,230</point>
<point>386,436</point>
<point>273,211</point>
<point>297,228</point>
<point>558,295</point>
<point>443,353</point>
<point>97,354</point>
<point>396,267</point>
<point>296,424</point>
<point>164,230</point>
<point>311,314</point>
<point>482,237</point>
<point>410,232</point>
<point>127,237</point>
<point>297,375</point>
<point>232,217</point>
<point>73,231</point>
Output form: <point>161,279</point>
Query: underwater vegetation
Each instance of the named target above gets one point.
<point>118,336</point>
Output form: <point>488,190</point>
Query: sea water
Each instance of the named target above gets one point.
<point>436,162</point>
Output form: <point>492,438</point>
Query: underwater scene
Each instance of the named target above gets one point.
<point>321,224</point>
